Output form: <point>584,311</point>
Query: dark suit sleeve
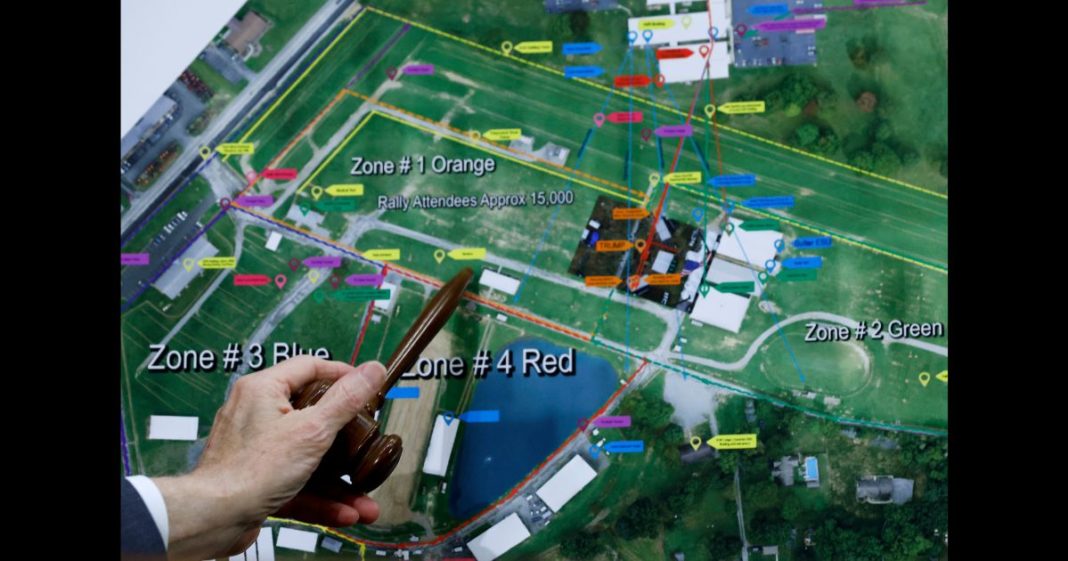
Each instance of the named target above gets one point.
<point>140,536</point>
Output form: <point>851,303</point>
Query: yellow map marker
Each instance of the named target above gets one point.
<point>654,178</point>
<point>742,107</point>
<point>468,253</point>
<point>639,245</point>
<point>686,21</point>
<point>439,255</point>
<point>313,276</point>
<point>683,177</point>
<point>218,262</point>
<point>188,263</point>
<point>733,441</point>
<point>925,378</point>
<point>205,152</point>
<point>345,190</point>
<point>506,48</point>
<point>503,134</point>
<point>710,110</point>
<point>382,254</point>
<point>231,148</point>
<point>534,47</point>
<point>317,192</point>
<point>695,442</point>
<point>474,135</point>
<point>943,375</point>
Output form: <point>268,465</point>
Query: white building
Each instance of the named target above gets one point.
<point>759,246</point>
<point>440,449</point>
<point>566,483</point>
<point>169,427</point>
<point>721,309</point>
<point>501,537</point>
<point>498,281</point>
<point>273,240</point>
<point>690,31</point>
<point>386,304</point>
<point>300,540</point>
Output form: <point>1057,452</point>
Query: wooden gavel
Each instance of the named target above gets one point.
<point>360,450</point>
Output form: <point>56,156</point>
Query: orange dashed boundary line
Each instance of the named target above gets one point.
<point>467,134</point>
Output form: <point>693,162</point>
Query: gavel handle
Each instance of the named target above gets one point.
<point>426,326</point>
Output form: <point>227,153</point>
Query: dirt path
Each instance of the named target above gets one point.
<point>412,420</point>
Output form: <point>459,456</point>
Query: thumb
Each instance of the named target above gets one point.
<point>349,394</point>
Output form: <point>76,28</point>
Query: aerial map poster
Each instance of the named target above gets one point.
<point>708,319</point>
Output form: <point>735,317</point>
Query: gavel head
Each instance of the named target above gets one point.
<point>360,450</point>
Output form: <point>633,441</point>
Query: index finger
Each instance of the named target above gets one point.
<point>300,371</point>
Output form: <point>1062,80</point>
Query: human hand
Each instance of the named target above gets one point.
<point>259,456</point>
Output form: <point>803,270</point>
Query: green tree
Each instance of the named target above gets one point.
<point>580,23</point>
<point>863,160</point>
<point>885,159</point>
<point>791,508</point>
<point>642,519</point>
<point>806,135</point>
<point>721,546</point>
<point>581,545</point>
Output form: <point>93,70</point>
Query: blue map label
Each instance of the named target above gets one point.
<point>481,416</point>
<point>812,242</point>
<point>581,48</point>
<point>769,9</point>
<point>803,263</point>
<point>409,392</point>
<point>582,71</point>
<point>625,446</point>
<point>769,202</point>
<point>735,180</point>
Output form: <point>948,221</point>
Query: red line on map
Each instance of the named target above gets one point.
<point>367,319</point>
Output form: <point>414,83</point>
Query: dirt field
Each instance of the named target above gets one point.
<point>412,420</point>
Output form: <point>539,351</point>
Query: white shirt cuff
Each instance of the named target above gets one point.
<point>154,501</point>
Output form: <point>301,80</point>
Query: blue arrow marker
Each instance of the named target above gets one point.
<point>769,202</point>
<point>803,263</point>
<point>582,71</point>
<point>735,180</point>
<point>410,392</point>
<point>581,48</point>
<point>485,416</point>
<point>812,242</point>
<point>769,9</point>
<point>625,446</point>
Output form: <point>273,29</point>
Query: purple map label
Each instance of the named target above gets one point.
<point>363,280</point>
<point>255,200</point>
<point>612,422</point>
<point>674,131</point>
<point>793,25</point>
<point>323,262</point>
<point>134,259</point>
<point>419,69</point>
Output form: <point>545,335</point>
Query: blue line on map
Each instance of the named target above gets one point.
<point>352,254</point>
<point>145,219</point>
<point>122,433</point>
<point>585,141</point>
<point>164,268</point>
<point>567,187</point>
<point>385,48</point>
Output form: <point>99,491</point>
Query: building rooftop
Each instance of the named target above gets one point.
<point>566,483</point>
<point>501,537</point>
<point>246,31</point>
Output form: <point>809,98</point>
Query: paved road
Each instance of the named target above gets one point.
<point>240,107</point>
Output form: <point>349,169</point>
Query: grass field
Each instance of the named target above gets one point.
<point>197,190</point>
<point>910,72</point>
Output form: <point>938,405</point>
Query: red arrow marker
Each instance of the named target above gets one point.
<point>632,81</point>
<point>625,117</point>
<point>664,54</point>
<point>251,280</point>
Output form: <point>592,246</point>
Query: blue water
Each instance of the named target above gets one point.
<point>811,471</point>
<point>537,415</point>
